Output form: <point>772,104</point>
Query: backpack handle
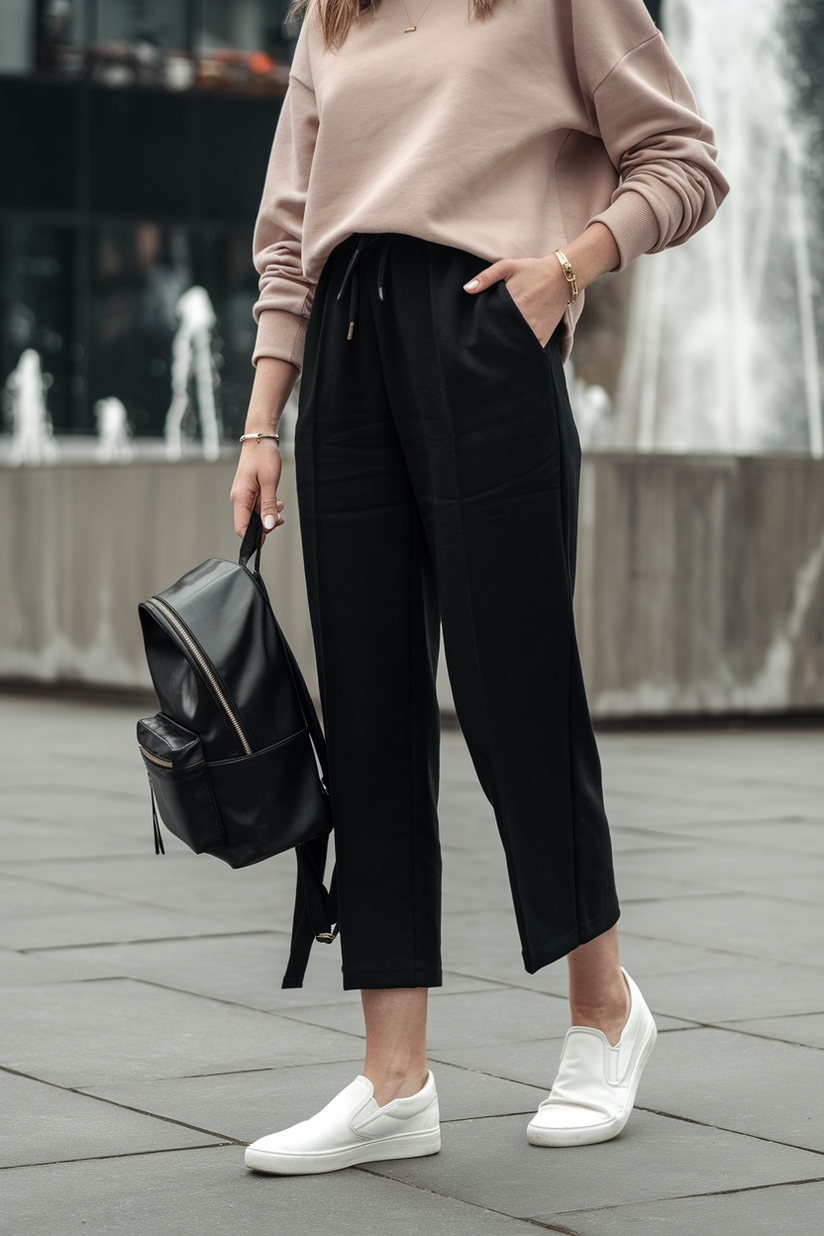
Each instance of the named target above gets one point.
<point>252,542</point>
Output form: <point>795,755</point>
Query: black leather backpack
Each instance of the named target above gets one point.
<point>236,756</point>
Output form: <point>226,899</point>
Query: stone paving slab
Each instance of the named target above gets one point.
<point>247,1105</point>
<point>79,1034</point>
<point>485,944</point>
<point>643,956</point>
<point>737,1081</point>
<point>677,817</point>
<point>28,840</point>
<point>634,885</point>
<point>628,840</point>
<point>38,1118</point>
<point>23,898</point>
<point>123,922</point>
<point>166,998</point>
<point>794,1211</point>
<point>749,988</point>
<point>489,1162</point>
<point>246,968</point>
<point>715,789</point>
<point>80,805</point>
<point>739,867</point>
<point>787,834</point>
<point>33,969</point>
<point>755,926</point>
<point>210,1193</point>
<point>805,1030</point>
<point>259,897</point>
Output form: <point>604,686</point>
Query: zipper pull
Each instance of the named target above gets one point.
<point>158,839</point>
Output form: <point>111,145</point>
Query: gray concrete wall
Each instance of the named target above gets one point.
<point>82,544</point>
<point>700,583</point>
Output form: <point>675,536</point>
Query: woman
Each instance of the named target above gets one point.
<point>445,181</point>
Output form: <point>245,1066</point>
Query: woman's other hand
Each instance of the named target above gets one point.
<point>255,487</point>
<point>538,285</point>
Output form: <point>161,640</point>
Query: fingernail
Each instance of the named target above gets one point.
<point>268,522</point>
<point>469,287</point>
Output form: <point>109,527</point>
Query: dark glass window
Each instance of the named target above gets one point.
<point>158,23</point>
<point>138,275</point>
<point>36,306</point>
<point>225,270</point>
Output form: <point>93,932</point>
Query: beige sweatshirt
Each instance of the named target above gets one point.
<point>503,137</point>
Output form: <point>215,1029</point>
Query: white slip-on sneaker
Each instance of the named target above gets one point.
<point>593,1094</point>
<point>353,1129</point>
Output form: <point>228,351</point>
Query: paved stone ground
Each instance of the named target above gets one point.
<point>145,1038</point>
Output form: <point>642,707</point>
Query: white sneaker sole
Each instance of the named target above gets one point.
<point>590,1135</point>
<point>401,1146</point>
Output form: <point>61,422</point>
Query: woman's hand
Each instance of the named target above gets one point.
<point>540,292</point>
<point>255,486</point>
<point>538,285</point>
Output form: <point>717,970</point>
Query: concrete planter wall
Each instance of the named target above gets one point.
<point>82,544</point>
<point>700,584</point>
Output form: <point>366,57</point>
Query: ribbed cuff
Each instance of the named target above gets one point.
<point>281,335</point>
<point>632,222</point>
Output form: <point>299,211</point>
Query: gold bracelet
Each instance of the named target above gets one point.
<point>569,275</point>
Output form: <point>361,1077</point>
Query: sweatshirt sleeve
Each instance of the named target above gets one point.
<point>282,308</point>
<point>646,116</point>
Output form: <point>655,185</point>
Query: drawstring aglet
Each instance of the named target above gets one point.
<point>380,294</point>
<point>351,331</point>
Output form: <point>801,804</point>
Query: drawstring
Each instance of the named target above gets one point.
<point>158,839</point>
<point>353,303</point>
<point>382,271</point>
<point>350,276</point>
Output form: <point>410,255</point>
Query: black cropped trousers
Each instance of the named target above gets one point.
<point>437,468</point>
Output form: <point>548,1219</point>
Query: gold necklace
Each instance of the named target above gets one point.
<point>412,27</point>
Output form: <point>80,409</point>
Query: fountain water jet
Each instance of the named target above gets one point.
<point>722,351</point>
<point>114,435</point>
<point>32,438</point>
<point>192,356</point>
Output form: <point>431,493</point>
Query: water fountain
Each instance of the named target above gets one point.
<point>192,357</point>
<point>114,434</point>
<point>32,437</point>
<point>722,352</point>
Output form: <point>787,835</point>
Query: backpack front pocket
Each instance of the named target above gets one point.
<point>270,801</point>
<point>180,782</point>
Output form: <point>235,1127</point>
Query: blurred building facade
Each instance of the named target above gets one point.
<point>134,141</point>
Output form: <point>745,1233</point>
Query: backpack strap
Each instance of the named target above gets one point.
<point>252,542</point>
<point>316,911</point>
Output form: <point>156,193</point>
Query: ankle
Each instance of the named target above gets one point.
<point>394,1082</point>
<point>606,1011</point>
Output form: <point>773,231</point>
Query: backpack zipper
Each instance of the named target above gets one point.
<point>205,668</point>
<point>155,759</point>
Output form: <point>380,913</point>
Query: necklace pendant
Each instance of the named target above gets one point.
<point>410,29</point>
